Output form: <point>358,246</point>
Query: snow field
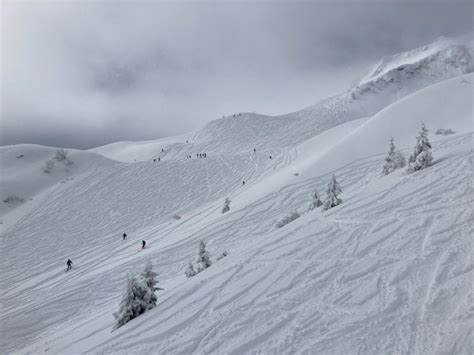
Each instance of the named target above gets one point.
<point>388,271</point>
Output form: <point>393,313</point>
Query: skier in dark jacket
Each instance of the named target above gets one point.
<point>69,264</point>
<point>124,236</point>
<point>143,244</point>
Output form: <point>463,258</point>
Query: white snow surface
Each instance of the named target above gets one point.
<point>396,77</point>
<point>388,271</point>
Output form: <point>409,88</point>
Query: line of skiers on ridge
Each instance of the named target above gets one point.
<point>198,155</point>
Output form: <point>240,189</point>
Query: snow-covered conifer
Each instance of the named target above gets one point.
<point>149,277</point>
<point>421,156</point>
<point>316,201</point>
<point>333,189</point>
<point>203,260</point>
<point>226,207</point>
<point>394,160</point>
<point>200,263</point>
<point>190,272</point>
<point>133,302</point>
<point>138,298</point>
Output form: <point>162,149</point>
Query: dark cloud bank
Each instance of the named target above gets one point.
<point>82,74</point>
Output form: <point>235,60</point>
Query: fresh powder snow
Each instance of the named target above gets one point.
<point>387,270</point>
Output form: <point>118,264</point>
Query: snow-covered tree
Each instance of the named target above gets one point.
<point>394,160</point>
<point>332,191</point>
<point>149,277</point>
<point>190,272</point>
<point>203,260</point>
<point>200,263</point>
<point>133,302</point>
<point>421,156</point>
<point>316,201</point>
<point>138,298</point>
<point>226,207</point>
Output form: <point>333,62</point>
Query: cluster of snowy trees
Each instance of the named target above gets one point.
<point>61,156</point>
<point>421,157</point>
<point>444,131</point>
<point>139,296</point>
<point>332,199</point>
<point>140,292</point>
<point>202,261</point>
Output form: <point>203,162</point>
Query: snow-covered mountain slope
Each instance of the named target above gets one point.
<point>23,182</point>
<point>388,271</point>
<point>445,56</point>
<point>390,80</point>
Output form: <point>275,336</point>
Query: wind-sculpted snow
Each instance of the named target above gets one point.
<point>387,271</point>
<point>392,79</point>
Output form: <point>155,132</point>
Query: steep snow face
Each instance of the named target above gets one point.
<point>392,79</point>
<point>446,56</point>
<point>387,271</point>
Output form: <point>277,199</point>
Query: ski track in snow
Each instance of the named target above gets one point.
<point>403,264</point>
<point>388,271</point>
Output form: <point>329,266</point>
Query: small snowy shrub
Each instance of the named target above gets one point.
<point>333,189</point>
<point>394,160</point>
<point>138,298</point>
<point>226,207</point>
<point>421,157</point>
<point>48,166</point>
<point>316,201</point>
<point>176,216</point>
<point>444,131</point>
<point>190,272</point>
<point>61,155</point>
<point>13,200</point>
<point>287,219</point>
<point>200,263</point>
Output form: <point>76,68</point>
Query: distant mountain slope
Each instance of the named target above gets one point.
<point>388,271</point>
<point>22,171</point>
<point>391,79</point>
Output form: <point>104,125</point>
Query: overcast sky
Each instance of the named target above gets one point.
<point>83,74</point>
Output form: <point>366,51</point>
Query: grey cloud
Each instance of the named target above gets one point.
<point>82,74</point>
